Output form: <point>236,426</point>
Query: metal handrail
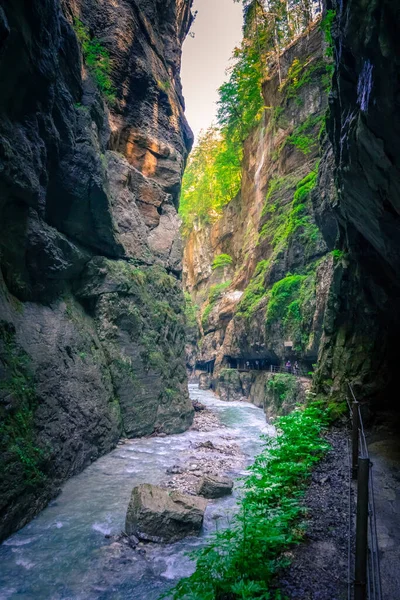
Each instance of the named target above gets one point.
<point>373,586</point>
<point>291,371</point>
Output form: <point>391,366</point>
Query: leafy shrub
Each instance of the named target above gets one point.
<point>282,294</point>
<point>97,59</point>
<point>338,255</point>
<point>303,137</point>
<point>221,261</point>
<point>17,431</point>
<point>326,26</point>
<point>190,311</point>
<point>240,562</point>
<point>255,290</point>
<point>300,74</point>
<point>283,386</point>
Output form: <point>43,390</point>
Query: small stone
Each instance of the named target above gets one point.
<point>212,486</point>
<point>208,444</point>
<point>198,406</point>
<point>175,470</point>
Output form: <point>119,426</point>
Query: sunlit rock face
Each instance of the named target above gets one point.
<point>361,342</point>
<point>269,230</point>
<point>91,325</point>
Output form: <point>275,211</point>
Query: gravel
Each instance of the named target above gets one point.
<point>319,565</point>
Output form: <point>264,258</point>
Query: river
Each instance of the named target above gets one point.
<point>63,553</point>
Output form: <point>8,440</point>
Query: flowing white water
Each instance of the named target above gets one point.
<point>261,156</point>
<point>63,554</point>
<point>364,85</point>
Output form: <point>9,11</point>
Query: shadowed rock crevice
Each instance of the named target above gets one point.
<point>364,326</point>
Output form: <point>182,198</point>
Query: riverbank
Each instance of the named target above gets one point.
<point>63,554</point>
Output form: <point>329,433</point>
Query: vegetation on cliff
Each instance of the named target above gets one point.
<point>221,261</point>
<point>213,174</point>
<point>25,461</point>
<point>98,60</point>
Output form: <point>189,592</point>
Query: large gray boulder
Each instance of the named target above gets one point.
<point>212,486</point>
<point>159,515</point>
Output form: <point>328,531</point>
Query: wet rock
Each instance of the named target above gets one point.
<point>204,381</point>
<point>174,470</point>
<point>198,406</point>
<point>206,421</point>
<point>79,179</point>
<point>208,444</point>
<point>159,515</point>
<point>212,486</point>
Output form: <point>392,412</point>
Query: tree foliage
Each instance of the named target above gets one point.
<point>213,174</point>
<point>211,179</point>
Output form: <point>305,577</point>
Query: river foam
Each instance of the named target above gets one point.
<point>63,554</point>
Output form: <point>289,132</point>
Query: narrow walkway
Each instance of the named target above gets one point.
<point>319,566</point>
<point>384,450</point>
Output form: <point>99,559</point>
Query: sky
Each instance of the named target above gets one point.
<point>217,29</point>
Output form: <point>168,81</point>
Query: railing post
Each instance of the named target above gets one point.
<point>355,439</point>
<point>360,580</point>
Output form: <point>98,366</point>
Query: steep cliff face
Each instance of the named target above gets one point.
<point>262,272</point>
<point>362,333</point>
<point>93,143</point>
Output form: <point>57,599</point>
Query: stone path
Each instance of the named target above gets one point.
<point>318,569</point>
<point>384,450</point>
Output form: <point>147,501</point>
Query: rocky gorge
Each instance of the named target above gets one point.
<point>261,273</point>
<point>300,264</point>
<point>93,143</point>
<point>282,289</point>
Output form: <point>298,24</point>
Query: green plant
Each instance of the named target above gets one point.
<point>286,219</point>
<point>165,86</point>
<point>282,294</point>
<point>17,429</point>
<point>191,311</point>
<point>300,74</point>
<point>216,292</point>
<point>297,322</point>
<point>221,261</point>
<point>338,255</point>
<point>254,291</point>
<point>282,386</point>
<point>326,26</point>
<point>212,178</point>
<point>241,561</point>
<point>303,137</point>
<point>98,60</point>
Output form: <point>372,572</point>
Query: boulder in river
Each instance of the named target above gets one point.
<point>159,515</point>
<point>198,406</point>
<point>204,381</point>
<point>212,486</point>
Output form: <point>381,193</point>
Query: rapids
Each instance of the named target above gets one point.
<point>63,553</point>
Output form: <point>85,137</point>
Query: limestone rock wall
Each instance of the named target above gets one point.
<point>91,308</point>
<point>270,228</point>
<point>277,393</point>
<point>360,341</point>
